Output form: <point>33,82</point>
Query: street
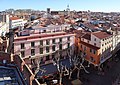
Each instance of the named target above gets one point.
<point>108,77</point>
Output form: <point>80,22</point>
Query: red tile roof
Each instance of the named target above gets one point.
<point>14,18</point>
<point>101,35</point>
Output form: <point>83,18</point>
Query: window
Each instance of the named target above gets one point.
<point>94,51</point>
<point>41,42</point>
<point>102,44</point>
<point>47,58</point>
<point>22,46</point>
<point>47,49</point>
<point>91,50</point>
<point>53,48</point>
<point>44,31</point>
<point>102,50</point>
<point>105,43</point>
<point>94,39</point>
<point>103,39</point>
<point>60,39</point>
<point>68,45</point>
<point>84,48</point>
<point>81,46</point>
<point>60,47</point>
<point>83,39</point>
<point>47,42</point>
<point>68,38</point>
<point>41,50</point>
<point>92,59</point>
<point>53,41</point>
<point>32,52</point>
<point>84,54</point>
<point>88,41</point>
<point>109,41</point>
<point>95,44</point>
<point>32,44</point>
<point>22,53</point>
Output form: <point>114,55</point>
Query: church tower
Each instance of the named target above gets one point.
<point>68,10</point>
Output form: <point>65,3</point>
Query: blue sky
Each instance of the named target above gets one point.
<point>92,5</point>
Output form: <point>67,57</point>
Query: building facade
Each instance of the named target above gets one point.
<point>45,46</point>
<point>4,24</point>
<point>16,22</point>
<point>96,47</point>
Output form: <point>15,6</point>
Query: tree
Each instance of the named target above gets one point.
<point>38,66</point>
<point>60,67</point>
<point>77,63</point>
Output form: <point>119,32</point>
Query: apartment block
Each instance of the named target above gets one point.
<point>96,47</point>
<point>45,46</point>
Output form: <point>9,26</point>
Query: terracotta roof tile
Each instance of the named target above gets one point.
<point>14,18</point>
<point>101,35</point>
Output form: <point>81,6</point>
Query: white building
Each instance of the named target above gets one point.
<point>16,22</point>
<point>4,24</point>
<point>116,41</point>
<point>51,28</point>
<point>44,45</point>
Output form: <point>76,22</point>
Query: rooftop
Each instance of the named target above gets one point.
<point>44,35</point>
<point>9,76</point>
<point>101,35</point>
<point>14,18</point>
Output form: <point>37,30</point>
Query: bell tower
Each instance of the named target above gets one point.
<point>68,10</point>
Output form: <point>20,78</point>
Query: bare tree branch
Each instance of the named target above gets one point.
<point>38,67</point>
